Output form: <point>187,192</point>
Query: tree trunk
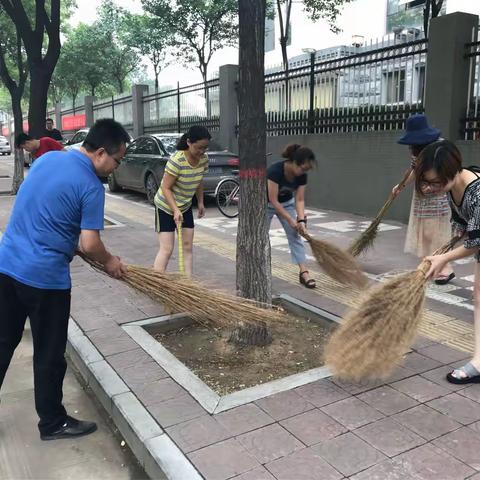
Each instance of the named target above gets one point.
<point>18,127</point>
<point>37,108</point>
<point>206,91</point>
<point>251,334</point>
<point>254,278</point>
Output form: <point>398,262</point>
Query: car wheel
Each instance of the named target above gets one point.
<point>151,187</point>
<point>113,186</point>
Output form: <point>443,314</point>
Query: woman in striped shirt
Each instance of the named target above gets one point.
<point>182,179</point>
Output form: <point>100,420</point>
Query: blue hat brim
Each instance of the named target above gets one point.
<point>420,137</point>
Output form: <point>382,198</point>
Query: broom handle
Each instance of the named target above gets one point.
<point>391,197</point>
<point>181,261</point>
<point>425,265</point>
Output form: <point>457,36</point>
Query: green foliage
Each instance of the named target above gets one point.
<point>149,37</point>
<point>201,27</point>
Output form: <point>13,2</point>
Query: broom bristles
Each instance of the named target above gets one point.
<point>365,241</point>
<point>182,294</point>
<point>337,263</point>
<point>373,337</point>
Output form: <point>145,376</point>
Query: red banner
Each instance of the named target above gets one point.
<point>5,131</point>
<point>74,122</point>
<point>25,126</point>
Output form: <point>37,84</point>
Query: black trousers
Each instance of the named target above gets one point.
<point>49,311</point>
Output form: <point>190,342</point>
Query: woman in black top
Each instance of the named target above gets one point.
<point>286,199</point>
<point>439,169</point>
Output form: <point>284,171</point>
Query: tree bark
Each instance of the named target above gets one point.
<point>37,108</point>
<point>254,279</point>
<point>19,162</point>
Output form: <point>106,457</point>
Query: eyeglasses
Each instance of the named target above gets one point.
<point>432,185</point>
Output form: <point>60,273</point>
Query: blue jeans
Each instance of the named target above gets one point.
<point>297,248</point>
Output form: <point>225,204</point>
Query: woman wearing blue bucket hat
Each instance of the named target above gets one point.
<point>429,222</point>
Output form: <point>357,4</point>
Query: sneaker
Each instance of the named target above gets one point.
<point>70,429</point>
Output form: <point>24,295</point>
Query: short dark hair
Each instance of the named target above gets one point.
<point>48,120</point>
<point>194,134</point>
<point>22,138</point>
<point>443,157</point>
<point>106,133</point>
<point>299,154</point>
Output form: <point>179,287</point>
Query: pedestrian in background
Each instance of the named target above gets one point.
<point>429,222</point>
<point>60,202</point>
<point>182,179</point>
<point>52,132</point>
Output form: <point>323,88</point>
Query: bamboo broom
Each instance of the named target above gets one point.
<point>183,294</point>
<point>374,336</point>
<point>336,263</point>
<point>366,239</point>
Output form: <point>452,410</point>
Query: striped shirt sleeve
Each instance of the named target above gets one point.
<point>173,168</point>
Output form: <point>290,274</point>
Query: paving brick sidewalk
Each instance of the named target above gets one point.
<point>413,426</point>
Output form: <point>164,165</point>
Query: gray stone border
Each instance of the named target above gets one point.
<point>156,452</point>
<point>210,400</point>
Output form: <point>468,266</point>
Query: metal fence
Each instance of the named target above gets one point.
<point>175,110</point>
<point>374,89</point>
<point>471,123</point>
<point>117,107</point>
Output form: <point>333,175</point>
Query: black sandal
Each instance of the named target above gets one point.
<point>310,283</point>
<point>470,375</point>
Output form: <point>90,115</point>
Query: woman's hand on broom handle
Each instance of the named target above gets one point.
<point>177,216</point>
<point>437,264</point>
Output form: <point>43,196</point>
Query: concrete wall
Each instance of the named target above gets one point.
<point>356,172</point>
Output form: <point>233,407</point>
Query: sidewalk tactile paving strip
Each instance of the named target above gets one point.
<point>436,326</point>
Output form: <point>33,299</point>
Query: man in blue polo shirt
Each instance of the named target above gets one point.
<point>60,202</point>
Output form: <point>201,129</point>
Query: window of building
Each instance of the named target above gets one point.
<point>394,86</point>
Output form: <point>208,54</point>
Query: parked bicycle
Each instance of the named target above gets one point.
<point>227,195</point>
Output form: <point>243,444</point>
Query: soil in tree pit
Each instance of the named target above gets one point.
<point>297,346</point>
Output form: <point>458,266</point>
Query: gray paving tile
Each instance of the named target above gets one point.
<point>422,342</point>
<point>428,462</point>
<point>313,427</point>
<point>260,473</point>
<point>243,419</point>
<point>177,410</point>
<point>223,460</point>
<point>348,454</point>
<point>269,443</point>
<point>352,413</point>
<point>355,388</point>
<point>322,392</point>
<point>443,353</point>
<point>419,363</point>
<point>463,444</point>
<point>387,470</point>
<point>472,392</point>
<point>387,400</point>
<point>419,388</point>
<point>112,340</point>
<point>123,360</point>
<point>389,437</point>
<point>285,404</point>
<point>438,375</point>
<point>427,422</point>
<point>158,391</point>
<point>303,465</point>
<point>197,433</point>
<point>459,408</point>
